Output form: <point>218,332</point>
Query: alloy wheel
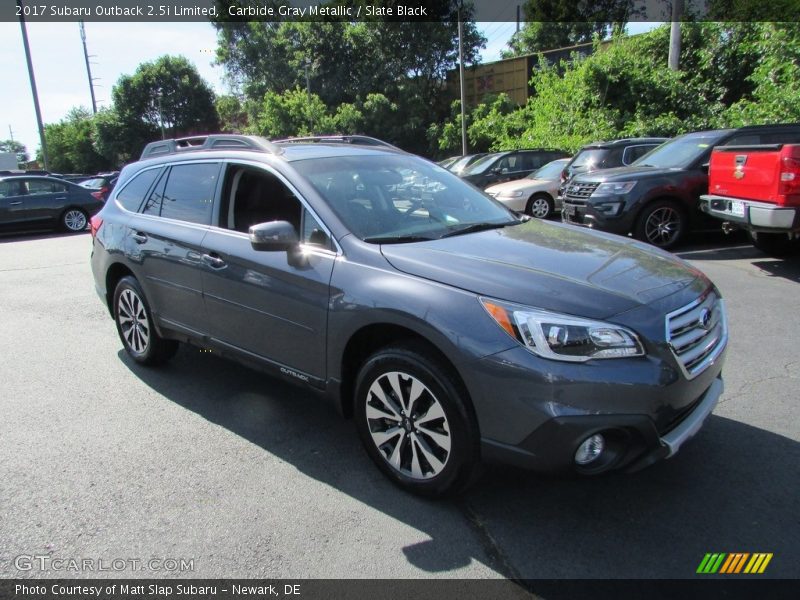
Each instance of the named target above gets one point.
<point>408,425</point>
<point>133,321</point>
<point>663,226</point>
<point>75,220</point>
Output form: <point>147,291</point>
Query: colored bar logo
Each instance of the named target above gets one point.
<point>734,563</point>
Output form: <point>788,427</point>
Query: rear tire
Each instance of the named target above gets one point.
<point>540,206</point>
<point>661,223</point>
<point>74,220</point>
<point>775,244</point>
<point>134,322</point>
<point>413,418</point>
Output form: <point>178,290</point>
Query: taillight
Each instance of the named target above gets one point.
<point>98,195</point>
<point>95,223</point>
<point>789,182</point>
<point>564,175</point>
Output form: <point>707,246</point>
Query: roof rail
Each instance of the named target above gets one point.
<point>209,142</point>
<point>363,140</point>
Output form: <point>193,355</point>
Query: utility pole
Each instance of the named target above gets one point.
<point>675,35</point>
<point>518,19</point>
<point>11,133</point>
<point>33,84</point>
<point>88,68</point>
<point>461,81</point>
<point>161,116</point>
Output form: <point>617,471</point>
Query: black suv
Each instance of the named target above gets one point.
<point>452,330</point>
<point>508,166</point>
<point>657,197</point>
<point>610,154</point>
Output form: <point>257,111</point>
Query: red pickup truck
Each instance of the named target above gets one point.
<point>757,188</point>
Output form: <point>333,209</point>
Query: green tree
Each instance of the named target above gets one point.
<point>346,62</point>
<point>70,145</point>
<point>551,24</point>
<point>17,148</point>
<point>232,114</point>
<point>168,93</point>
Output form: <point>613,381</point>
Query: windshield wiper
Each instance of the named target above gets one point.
<point>397,239</point>
<point>475,227</point>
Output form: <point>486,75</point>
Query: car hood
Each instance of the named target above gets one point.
<point>532,185</point>
<point>551,266</point>
<point>625,174</point>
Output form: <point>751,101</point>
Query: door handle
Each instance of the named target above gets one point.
<point>61,198</point>
<point>139,237</point>
<point>15,203</point>
<point>214,261</point>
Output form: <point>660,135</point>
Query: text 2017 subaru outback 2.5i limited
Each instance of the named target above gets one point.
<point>451,330</point>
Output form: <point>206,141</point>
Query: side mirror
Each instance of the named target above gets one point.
<point>273,236</point>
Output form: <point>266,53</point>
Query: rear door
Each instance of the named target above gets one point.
<point>45,200</point>
<point>11,202</point>
<point>165,240</point>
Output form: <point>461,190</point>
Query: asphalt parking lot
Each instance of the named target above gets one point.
<point>246,476</point>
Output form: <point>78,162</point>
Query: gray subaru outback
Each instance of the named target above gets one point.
<point>451,330</point>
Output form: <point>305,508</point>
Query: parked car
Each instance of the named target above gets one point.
<point>610,154</point>
<point>507,166</point>
<point>101,185</point>
<point>448,161</point>
<point>462,163</point>
<point>451,330</point>
<point>657,197</point>
<point>757,188</point>
<point>37,202</point>
<point>535,195</point>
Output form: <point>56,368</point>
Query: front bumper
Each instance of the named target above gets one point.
<point>535,413</point>
<point>586,214</point>
<point>751,215</point>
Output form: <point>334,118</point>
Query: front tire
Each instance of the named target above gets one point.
<point>662,223</point>
<point>413,419</point>
<point>134,322</point>
<point>74,220</point>
<point>540,206</point>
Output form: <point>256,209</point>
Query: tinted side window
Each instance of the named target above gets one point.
<point>9,188</point>
<point>133,193</point>
<point>189,193</point>
<point>633,153</point>
<point>39,186</point>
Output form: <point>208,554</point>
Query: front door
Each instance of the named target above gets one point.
<point>272,305</point>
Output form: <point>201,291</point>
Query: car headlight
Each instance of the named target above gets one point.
<point>563,337</point>
<point>510,194</point>
<point>614,187</point>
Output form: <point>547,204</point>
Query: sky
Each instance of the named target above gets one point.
<point>117,49</point>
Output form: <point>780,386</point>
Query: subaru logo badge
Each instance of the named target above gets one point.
<point>704,319</point>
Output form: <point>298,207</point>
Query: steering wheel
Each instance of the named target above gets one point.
<point>433,213</point>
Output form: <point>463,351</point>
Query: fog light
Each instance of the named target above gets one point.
<point>591,448</point>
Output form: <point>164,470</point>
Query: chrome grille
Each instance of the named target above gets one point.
<point>580,191</point>
<point>697,333</point>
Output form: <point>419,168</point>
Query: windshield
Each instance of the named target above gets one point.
<point>463,162</point>
<point>589,159</point>
<point>680,152</point>
<point>551,170</point>
<point>480,165</point>
<point>400,198</point>
<point>93,183</point>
